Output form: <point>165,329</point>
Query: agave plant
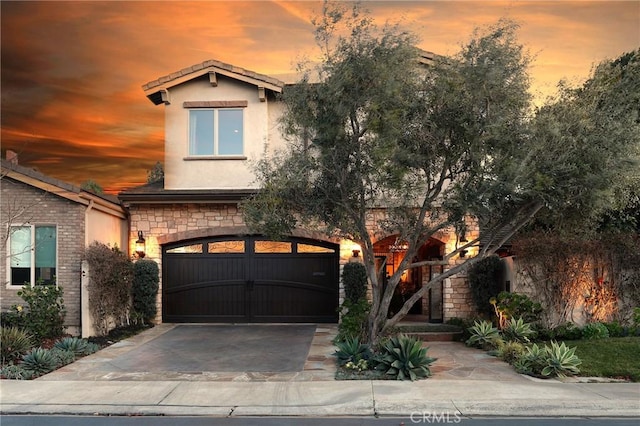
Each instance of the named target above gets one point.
<point>404,358</point>
<point>561,361</point>
<point>14,342</point>
<point>351,350</point>
<point>517,331</point>
<point>483,335</point>
<point>78,346</point>
<point>63,356</point>
<point>39,361</point>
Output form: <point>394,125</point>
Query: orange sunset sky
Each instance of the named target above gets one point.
<point>72,103</point>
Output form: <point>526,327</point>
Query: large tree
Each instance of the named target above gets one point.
<point>429,142</point>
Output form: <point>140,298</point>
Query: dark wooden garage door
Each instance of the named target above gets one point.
<point>250,279</point>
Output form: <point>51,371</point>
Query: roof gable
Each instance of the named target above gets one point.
<point>157,90</point>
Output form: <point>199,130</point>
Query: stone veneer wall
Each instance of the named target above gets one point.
<point>161,224</point>
<point>45,208</point>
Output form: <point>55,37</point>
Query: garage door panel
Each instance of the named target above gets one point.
<point>225,284</point>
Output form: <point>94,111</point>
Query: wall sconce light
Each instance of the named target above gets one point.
<point>463,253</point>
<point>140,245</point>
<point>356,253</point>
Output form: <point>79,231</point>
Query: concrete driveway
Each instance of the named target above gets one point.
<point>274,352</point>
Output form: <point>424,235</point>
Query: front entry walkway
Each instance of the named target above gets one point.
<point>155,355</point>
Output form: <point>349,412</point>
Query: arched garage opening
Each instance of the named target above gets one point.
<point>250,279</point>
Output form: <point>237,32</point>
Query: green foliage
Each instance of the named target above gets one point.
<point>76,345</point>
<point>110,275</point>
<point>566,331</point>
<point>613,357</point>
<point>636,316</point>
<point>40,361</point>
<point>510,351</point>
<point>404,358</point>
<point>483,335</point>
<point>93,186</point>
<point>560,361</point>
<point>616,329</point>
<point>518,331</point>
<point>595,330</point>
<point>556,360</point>
<point>353,320</point>
<point>15,372</point>
<point>156,174</point>
<point>516,305</point>
<point>351,350</point>
<point>145,288</point>
<point>45,312</point>
<point>14,342</point>
<point>354,279</point>
<point>62,356</point>
<point>484,282</point>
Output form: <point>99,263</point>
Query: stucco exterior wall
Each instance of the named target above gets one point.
<point>45,208</point>
<point>106,228</point>
<point>184,172</point>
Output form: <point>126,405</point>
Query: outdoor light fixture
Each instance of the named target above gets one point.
<point>140,245</point>
<point>356,253</point>
<point>463,239</point>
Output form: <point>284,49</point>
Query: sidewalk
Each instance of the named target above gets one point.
<point>466,398</point>
<point>465,382</point>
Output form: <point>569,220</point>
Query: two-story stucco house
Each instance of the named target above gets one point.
<point>219,120</point>
<point>46,225</point>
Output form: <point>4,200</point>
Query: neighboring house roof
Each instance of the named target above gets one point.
<point>103,202</point>
<point>154,193</point>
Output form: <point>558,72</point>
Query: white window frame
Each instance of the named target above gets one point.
<point>32,251</point>
<point>216,131</point>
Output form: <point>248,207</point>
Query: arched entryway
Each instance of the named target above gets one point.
<point>250,279</point>
<point>389,252</point>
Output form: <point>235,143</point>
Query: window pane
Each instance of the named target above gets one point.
<point>230,130</point>
<point>201,132</point>
<point>272,247</point>
<point>20,247</point>
<point>45,246</point>
<point>193,248</point>
<point>307,248</point>
<point>226,247</point>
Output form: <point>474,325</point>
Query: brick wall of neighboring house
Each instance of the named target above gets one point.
<point>175,222</point>
<point>44,208</point>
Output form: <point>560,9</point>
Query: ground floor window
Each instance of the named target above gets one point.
<point>33,254</point>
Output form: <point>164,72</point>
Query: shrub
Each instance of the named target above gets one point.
<point>62,356</point>
<point>352,351</point>
<point>484,282</point>
<point>44,316</point>
<point>354,279</point>
<point>510,351</point>
<point>517,331</point>
<point>404,358</point>
<point>109,286</point>
<point>616,329</point>
<point>560,361</point>
<point>595,330</point>
<point>78,346</point>
<point>566,331</point>
<point>14,342</point>
<point>483,335</point>
<point>15,372</point>
<point>532,361</point>
<point>514,305</point>
<point>39,361</point>
<point>353,320</point>
<point>144,289</point>
<point>464,324</point>
<point>556,360</point>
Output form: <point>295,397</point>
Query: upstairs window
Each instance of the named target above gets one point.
<point>33,254</point>
<point>216,132</point>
